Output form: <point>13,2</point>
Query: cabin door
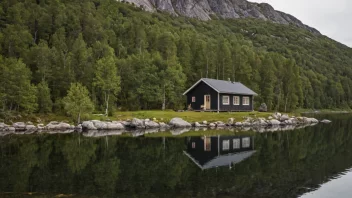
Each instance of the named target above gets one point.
<point>207,102</point>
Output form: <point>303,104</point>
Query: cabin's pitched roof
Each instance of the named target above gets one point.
<point>222,160</point>
<point>223,86</point>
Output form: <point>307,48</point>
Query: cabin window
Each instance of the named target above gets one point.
<point>236,100</point>
<point>225,145</point>
<point>246,142</point>
<point>193,145</point>
<point>236,143</point>
<point>193,99</point>
<point>225,100</point>
<point>245,100</point>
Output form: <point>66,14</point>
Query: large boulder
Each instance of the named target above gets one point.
<point>260,122</point>
<point>114,126</point>
<point>58,126</point>
<point>162,125</point>
<point>238,124</point>
<point>100,125</point>
<point>273,122</point>
<point>3,126</point>
<point>179,123</point>
<point>220,124</point>
<point>263,108</point>
<point>19,126</point>
<point>31,128</point>
<point>126,123</point>
<point>284,117</point>
<point>88,125</point>
<point>151,125</point>
<point>137,123</point>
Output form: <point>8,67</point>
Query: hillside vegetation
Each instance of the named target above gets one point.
<point>131,59</point>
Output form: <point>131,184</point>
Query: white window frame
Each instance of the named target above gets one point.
<point>234,100</point>
<point>193,99</point>
<point>226,145</point>
<point>246,142</point>
<point>245,99</point>
<point>236,143</point>
<point>228,100</point>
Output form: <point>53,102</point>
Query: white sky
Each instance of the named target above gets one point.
<point>331,17</point>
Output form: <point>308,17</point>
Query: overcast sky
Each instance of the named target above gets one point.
<point>332,18</point>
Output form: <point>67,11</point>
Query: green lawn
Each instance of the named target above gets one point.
<point>189,116</point>
<point>162,116</point>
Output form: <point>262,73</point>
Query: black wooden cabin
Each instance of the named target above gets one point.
<point>219,95</point>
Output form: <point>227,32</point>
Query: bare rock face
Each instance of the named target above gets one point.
<point>205,9</point>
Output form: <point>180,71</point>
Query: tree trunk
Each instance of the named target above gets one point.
<point>107,103</point>
<point>164,101</point>
<point>79,117</point>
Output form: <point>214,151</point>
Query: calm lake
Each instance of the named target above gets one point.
<point>311,162</point>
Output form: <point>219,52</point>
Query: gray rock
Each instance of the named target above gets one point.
<point>40,126</point>
<point>263,108</point>
<point>230,121</point>
<point>205,122</point>
<point>31,128</point>
<point>19,126</point>
<point>137,123</point>
<point>179,123</point>
<point>78,127</point>
<point>238,124</point>
<point>11,129</point>
<point>220,124</point>
<point>284,117</point>
<point>325,121</point>
<point>151,125</point>
<point>205,10</point>
<point>88,125</point>
<point>212,125</point>
<point>274,122</point>
<point>114,126</point>
<point>270,117</point>
<point>126,123</point>
<point>260,122</point>
<point>162,125</point>
<point>100,125</point>
<point>246,123</point>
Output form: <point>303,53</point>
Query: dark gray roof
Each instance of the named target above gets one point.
<point>223,86</point>
<point>223,160</point>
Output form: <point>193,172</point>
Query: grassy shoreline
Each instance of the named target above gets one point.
<point>161,116</point>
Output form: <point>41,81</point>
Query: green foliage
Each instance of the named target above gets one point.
<point>44,101</point>
<point>132,59</point>
<point>77,101</point>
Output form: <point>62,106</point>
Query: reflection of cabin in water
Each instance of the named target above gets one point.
<point>210,152</point>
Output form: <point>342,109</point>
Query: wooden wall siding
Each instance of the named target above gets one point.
<point>232,107</point>
<point>199,91</point>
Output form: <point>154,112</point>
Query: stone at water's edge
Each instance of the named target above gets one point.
<point>325,121</point>
<point>230,121</point>
<point>88,125</point>
<point>151,125</point>
<point>137,123</point>
<point>179,123</point>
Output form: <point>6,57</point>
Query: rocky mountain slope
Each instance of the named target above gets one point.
<point>205,9</point>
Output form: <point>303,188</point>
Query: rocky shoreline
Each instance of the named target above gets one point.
<point>277,121</point>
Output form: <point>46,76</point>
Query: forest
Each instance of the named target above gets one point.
<point>123,58</point>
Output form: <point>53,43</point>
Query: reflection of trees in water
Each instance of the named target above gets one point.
<point>285,164</point>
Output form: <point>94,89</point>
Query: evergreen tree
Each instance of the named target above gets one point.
<point>44,101</point>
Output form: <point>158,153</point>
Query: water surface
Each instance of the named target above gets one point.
<point>310,162</point>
